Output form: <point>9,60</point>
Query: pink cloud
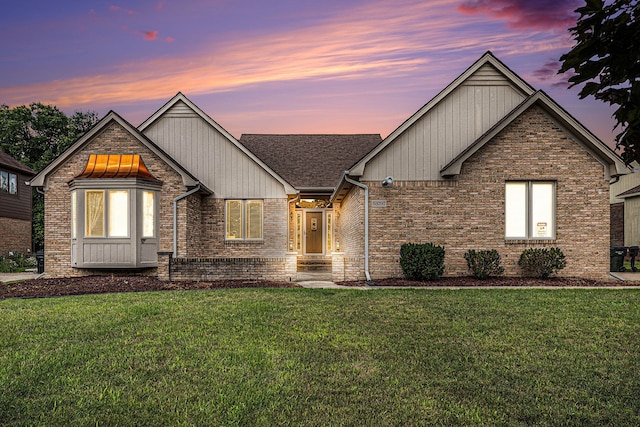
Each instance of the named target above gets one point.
<point>526,14</point>
<point>150,35</point>
<point>169,39</point>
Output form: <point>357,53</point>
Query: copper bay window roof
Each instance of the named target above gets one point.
<point>106,166</point>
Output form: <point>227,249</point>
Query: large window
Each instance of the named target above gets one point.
<point>243,219</point>
<point>530,210</point>
<point>107,216</point>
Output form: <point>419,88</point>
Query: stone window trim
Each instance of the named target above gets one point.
<point>534,232</point>
<point>243,226</point>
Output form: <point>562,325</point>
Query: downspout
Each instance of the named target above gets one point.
<point>366,222</point>
<point>175,216</point>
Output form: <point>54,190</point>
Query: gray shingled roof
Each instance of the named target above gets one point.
<point>310,161</point>
<point>11,163</point>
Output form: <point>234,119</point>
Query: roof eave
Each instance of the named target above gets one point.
<point>614,164</point>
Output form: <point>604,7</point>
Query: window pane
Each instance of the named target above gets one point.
<point>94,214</point>
<point>74,215</point>
<point>13,184</point>
<point>254,219</point>
<point>515,210</point>
<point>234,219</point>
<point>4,181</point>
<point>118,213</point>
<point>148,214</point>
<point>542,217</point>
<point>298,231</point>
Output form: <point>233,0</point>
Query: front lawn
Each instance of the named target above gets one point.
<point>323,357</point>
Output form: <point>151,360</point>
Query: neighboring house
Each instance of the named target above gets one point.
<point>489,163</point>
<point>624,198</point>
<point>15,206</point>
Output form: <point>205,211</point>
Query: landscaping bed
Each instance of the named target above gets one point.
<point>109,284</point>
<point>469,281</point>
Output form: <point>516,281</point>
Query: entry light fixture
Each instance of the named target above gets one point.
<point>387,181</point>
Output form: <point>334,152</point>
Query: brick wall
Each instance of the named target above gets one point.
<point>617,224</point>
<point>275,232</point>
<point>113,139</point>
<point>468,212</point>
<point>254,268</point>
<point>15,236</point>
<point>349,232</point>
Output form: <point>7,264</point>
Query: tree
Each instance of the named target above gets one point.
<point>35,135</point>
<point>606,58</point>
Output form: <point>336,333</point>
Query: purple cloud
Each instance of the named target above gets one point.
<point>548,73</point>
<point>526,14</point>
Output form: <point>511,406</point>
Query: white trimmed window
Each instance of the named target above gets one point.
<point>243,219</point>
<point>107,216</point>
<point>530,210</point>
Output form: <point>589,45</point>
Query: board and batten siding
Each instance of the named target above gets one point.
<point>447,129</point>
<point>211,157</point>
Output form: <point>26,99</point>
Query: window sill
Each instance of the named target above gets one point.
<point>530,242</point>
<point>244,242</point>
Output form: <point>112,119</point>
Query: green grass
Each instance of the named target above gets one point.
<point>322,357</point>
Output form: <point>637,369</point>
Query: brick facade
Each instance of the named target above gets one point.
<point>113,139</point>
<point>16,236</point>
<point>468,212</point>
<point>200,224</point>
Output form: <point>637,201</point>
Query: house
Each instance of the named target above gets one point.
<point>15,206</point>
<point>488,163</point>
<point>624,199</point>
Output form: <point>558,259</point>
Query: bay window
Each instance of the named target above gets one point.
<point>114,213</point>
<point>530,210</point>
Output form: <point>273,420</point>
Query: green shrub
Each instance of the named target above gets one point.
<point>542,262</point>
<point>422,261</point>
<point>16,263</point>
<point>484,264</point>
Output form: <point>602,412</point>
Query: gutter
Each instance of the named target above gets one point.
<point>366,222</point>
<point>175,215</point>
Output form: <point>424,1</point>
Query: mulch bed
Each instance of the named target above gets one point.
<point>107,284</point>
<point>515,282</point>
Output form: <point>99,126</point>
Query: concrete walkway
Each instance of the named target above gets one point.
<point>12,277</point>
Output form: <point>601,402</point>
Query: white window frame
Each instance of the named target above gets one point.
<point>107,214</point>
<point>531,229</point>
<point>244,220</point>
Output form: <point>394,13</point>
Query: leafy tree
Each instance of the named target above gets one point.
<point>35,135</point>
<point>606,58</point>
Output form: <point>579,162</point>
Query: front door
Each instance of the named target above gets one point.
<point>313,233</point>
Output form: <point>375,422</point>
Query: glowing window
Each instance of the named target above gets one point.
<point>530,210</point>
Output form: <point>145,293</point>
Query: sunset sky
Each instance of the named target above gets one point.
<point>279,66</point>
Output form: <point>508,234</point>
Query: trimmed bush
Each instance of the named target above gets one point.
<point>484,264</point>
<point>422,261</point>
<point>542,262</point>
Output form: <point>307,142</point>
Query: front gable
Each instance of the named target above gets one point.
<point>215,156</point>
<point>446,125</point>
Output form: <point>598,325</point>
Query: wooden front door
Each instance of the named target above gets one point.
<point>313,233</point>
